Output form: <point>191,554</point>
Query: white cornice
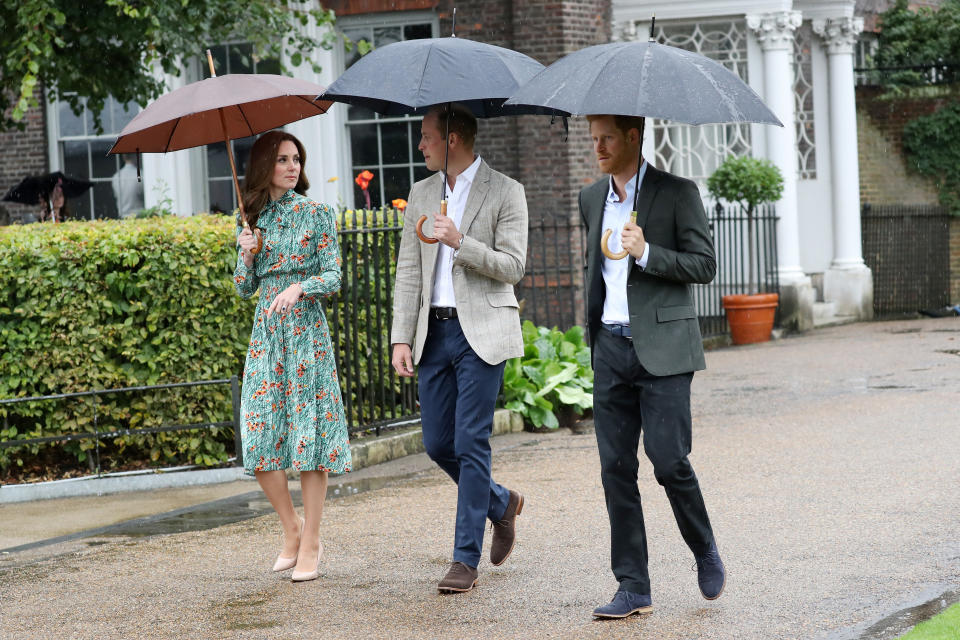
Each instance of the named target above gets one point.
<point>641,10</point>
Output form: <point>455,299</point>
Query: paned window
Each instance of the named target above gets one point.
<point>83,154</point>
<point>386,146</point>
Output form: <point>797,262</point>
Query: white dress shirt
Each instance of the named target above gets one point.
<point>443,295</point>
<point>615,272</point>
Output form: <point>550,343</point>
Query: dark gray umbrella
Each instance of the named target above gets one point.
<point>644,79</point>
<point>409,77</point>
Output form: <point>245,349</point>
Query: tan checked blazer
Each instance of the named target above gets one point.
<point>491,260</point>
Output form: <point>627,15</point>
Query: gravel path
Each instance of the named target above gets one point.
<point>830,464</point>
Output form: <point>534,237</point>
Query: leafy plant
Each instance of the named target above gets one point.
<point>751,182</point>
<point>553,372</point>
<point>932,144</point>
<point>48,43</point>
<point>917,38</point>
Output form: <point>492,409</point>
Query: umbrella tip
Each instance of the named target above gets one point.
<point>453,27</point>
<point>653,23</point>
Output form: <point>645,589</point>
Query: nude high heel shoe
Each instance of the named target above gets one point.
<point>282,564</point>
<point>304,576</point>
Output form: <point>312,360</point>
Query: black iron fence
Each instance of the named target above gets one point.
<point>907,247</point>
<point>360,318</point>
<point>551,291</point>
<point>934,73</point>
<point>730,225</point>
<point>102,431</point>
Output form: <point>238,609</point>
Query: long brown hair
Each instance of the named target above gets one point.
<point>263,160</point>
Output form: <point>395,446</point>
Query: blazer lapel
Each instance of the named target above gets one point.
<point>648,189</point>
<point>478,193</point>
<point>428,252</point>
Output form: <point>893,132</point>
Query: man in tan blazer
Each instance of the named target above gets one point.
<point>456,316</point>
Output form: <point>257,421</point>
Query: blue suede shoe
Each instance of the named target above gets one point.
<point>711,575</point>
<point>624,603</point>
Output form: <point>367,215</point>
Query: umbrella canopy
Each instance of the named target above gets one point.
<point>32,188</point>
<point>644,79</point>
<point>409,77</point>
<point>191,116</point>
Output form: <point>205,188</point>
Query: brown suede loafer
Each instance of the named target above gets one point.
<point>505,531</point>
<point>459,578</point>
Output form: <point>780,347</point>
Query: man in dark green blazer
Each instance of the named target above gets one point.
<point>646,344</point>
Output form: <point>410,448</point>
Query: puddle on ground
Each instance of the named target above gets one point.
<point>210,515</point>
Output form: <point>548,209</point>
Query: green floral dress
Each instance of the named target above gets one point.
<point>292,412</point>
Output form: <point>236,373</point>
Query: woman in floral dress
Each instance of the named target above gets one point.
<point>291,413</point>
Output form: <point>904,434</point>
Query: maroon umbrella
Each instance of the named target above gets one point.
<point>220,109</point>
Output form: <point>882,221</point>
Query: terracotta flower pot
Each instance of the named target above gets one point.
<point>751,316</point>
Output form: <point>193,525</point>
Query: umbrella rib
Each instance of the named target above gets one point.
<point>166,147</point>
<point>422,76</point>
<point>249,126</point>
<point>313,102</point>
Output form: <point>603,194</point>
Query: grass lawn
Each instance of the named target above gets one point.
<point>945,626</point>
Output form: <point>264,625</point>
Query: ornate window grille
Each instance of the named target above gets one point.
<point>696,151</point>
<point>803,93</point>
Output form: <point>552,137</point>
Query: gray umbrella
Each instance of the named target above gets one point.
<point>644,79</point>
<point>409,77</point>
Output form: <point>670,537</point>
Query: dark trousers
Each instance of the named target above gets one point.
<point>458,394</point>
<point>629,402</point>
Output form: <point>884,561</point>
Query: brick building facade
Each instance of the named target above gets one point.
<point>23,153</point>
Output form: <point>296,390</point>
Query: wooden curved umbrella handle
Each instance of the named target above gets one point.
<point>259,236</point>
<point>620,255</point>
<point>428,239</point>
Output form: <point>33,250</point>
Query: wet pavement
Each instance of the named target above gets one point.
<point>829,464</point>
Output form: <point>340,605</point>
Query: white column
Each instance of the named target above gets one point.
<point>848,281</point>
<point>774,32</point>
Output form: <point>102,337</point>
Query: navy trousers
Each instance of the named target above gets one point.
<point>458,394</point>
<point>629,404</point>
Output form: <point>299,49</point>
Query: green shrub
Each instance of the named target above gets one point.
<point>932,144</point>
<point>107,304</point>
<point>553,372</point>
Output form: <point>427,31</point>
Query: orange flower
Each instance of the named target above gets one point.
<point>363,179</point>
<point>399,203</point>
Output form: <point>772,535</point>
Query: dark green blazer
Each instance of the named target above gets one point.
<point>663,320</point>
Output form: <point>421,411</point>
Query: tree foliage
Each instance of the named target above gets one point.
<point>932,144</point>
<point>922,37</point>
<point>94,49</point>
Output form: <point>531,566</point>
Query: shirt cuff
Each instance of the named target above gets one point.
<point>642,260</point>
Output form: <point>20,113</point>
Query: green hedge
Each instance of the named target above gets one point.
<point>107,304</point>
